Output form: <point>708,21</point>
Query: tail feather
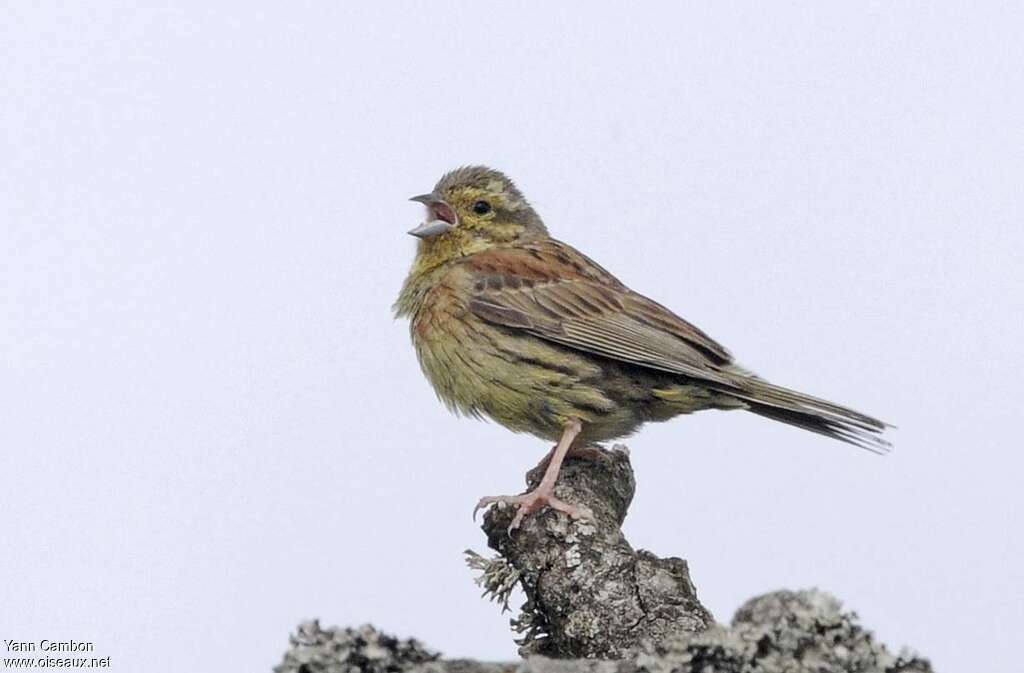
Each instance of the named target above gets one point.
<point>814,414</point>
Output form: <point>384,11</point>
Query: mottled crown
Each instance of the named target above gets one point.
<point>480,177</point>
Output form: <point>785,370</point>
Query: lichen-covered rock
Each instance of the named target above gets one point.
<point>362,650</point>
<point>596,605</point>
<point>590,594</point>
<point>782,632</point>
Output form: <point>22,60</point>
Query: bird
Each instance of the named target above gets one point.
<point>514,325</point>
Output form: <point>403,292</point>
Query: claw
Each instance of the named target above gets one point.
<point>483,502</point>
<point>491,500</point>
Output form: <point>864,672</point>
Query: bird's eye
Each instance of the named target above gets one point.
<point>481,207</point>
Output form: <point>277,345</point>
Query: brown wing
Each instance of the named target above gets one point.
<point>552,291</point>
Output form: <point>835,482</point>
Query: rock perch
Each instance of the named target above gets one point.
<point>590,594</point>
<point>596,605</point>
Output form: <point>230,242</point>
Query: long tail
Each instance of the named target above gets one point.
<point>812,413</point>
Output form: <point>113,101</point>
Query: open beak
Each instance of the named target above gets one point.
<point>441,217</point>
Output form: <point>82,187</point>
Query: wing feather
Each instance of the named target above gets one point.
<point>551,291</point>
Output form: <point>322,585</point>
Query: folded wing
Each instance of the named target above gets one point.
<point>553,292</point>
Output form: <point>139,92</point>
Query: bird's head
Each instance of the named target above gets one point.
<point>472,209</point>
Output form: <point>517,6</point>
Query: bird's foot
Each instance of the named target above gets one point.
<point>531,502</point>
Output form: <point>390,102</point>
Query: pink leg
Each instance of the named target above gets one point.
<point>582,452</point>
<point>544,494</point>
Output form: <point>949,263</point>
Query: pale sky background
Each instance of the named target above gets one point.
<point>212,428</point>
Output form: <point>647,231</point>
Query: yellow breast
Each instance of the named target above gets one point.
<point>476,368</point>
